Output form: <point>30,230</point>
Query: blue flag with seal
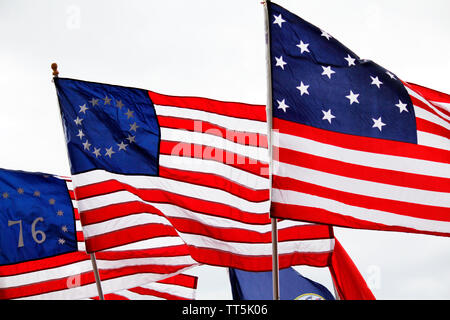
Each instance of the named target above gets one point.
<point>293,286</point>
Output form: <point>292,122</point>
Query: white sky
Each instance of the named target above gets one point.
<point>215,49</point>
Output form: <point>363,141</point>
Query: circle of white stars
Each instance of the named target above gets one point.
<point>105,151</point>
<point>328,72</point>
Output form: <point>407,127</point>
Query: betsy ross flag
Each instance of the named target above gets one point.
<point>356,146</point>
<point>42,251</point>
<point>143,163</point>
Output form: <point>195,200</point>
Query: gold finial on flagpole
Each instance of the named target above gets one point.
<point>55,69</point>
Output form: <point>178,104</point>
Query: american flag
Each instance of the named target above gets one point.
<point>143,162</point>
<point>179,287</point>
<point>58,267</point>
<point>356,146</point>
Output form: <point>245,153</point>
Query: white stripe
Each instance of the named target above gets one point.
<point>177,135</point>
<point>443,105</point>
<point>363,187</point>
<point>433,140</point>
<point>108,286</point>
<point>174,211</point>
<point>260,249</point>
<point>172,289</point>
<point>46,274</point>
<point>231,123</point>
<point>419,97</point>
<point>120,223</point>
<point>236,175</point>
<point>375,160</point>
<point>426,115</point>
<point>376,216</point>
<point>149,182</point>
<point>160,242</point>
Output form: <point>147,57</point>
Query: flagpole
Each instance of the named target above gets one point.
<point>55,74</point>
<point>275,266</point>
<point>97,277</point>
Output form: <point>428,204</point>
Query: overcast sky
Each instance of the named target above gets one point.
<point>215,49</point>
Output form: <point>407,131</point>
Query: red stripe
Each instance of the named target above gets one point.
<point>160,196</point>
<point>360,172</point>
<point>159,294</point>
<point>169,251</point>
<point>191,150</point>
<point>420,104</point>
<point>258,263</point>
<point>127,236</point>
<point>44,287</point>
<point>322,216</point>
<point>232,109</point>
<point>431,127</point>
<point>392,206</point>
<point>214,181</point>
<point>430,94</point>
<point>111,296</point>
<point>303,232</point>
<point>84,279</point>
<point>244,138</point>
<point>184,280</point>
<point>365,144</point>
<point>42,264</point>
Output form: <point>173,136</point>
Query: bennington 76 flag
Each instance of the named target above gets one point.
<point>356,146</point>
<point>42,249</point>
<point>143,163</point>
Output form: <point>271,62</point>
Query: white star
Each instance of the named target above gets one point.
<point>64,228</point>
<point>107,100</point>
<point>83,108</point>
<point>280,62</point>
<point>80,134</point>
<point>129,114</point>
<point>119,104</point>
<point>61,241</point>
<point>376,81</point>
<point>94,102</point>
<point>327,71</point>
<point>350,60</point>
<point>303,88</point>
<point>303,46</point>
<point>377,123</point>
<point>353,97</point>
<point>78,121</point>
<point>282,105</point>
<point>86,145</point>
<point>326,35</point>
<point>402,106</point>
<point>133,127</point>
<point>131,138</point>
<point>96,152</point>
<point>278,20</point>
<point>390,75</point>
<point>109,152</point>
<point>122,146</point>
<point>327,115</point>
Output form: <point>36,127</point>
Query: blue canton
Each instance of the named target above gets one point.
<point>36,217</point>
<point>318,82</point>
<point>109,127</point>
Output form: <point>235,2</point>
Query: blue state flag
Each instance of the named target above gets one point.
<point>247,285</point>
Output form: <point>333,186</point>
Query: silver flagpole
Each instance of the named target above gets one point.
<point>55,74</point>
<point>97,277</point>
<point>275,267</point>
